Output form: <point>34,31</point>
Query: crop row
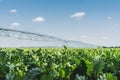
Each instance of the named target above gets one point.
<point>59,64</point>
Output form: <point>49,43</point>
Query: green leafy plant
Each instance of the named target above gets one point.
<point>59,64</point>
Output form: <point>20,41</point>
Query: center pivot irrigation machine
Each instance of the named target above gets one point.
<point>42,40</point>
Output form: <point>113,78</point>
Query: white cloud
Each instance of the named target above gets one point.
<point>109,18</point>
<point>117,25</point>
<point>78,15</point>
<point>14,25</point>
<point>38,19</point>
<point>83,37</point>
<point>52,34</point>
<point>105,37</point>
<point>13,11</point>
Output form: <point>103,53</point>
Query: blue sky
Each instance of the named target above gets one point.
<point>90,21</point>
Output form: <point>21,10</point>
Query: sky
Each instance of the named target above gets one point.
<point>89,21</point>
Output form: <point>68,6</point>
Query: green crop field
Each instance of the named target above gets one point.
<point>59,64</point>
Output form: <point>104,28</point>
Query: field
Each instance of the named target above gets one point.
<point>59,64</point>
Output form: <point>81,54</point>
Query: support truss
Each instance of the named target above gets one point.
<point>28,35</point>
<point>38,37</point>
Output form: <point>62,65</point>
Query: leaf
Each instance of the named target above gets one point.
<point>90,67</point>
<point>44,77</point>
<point>62,73</point>
<point>110,77</point>
<point>21,73</point>
<point>9,76</point>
